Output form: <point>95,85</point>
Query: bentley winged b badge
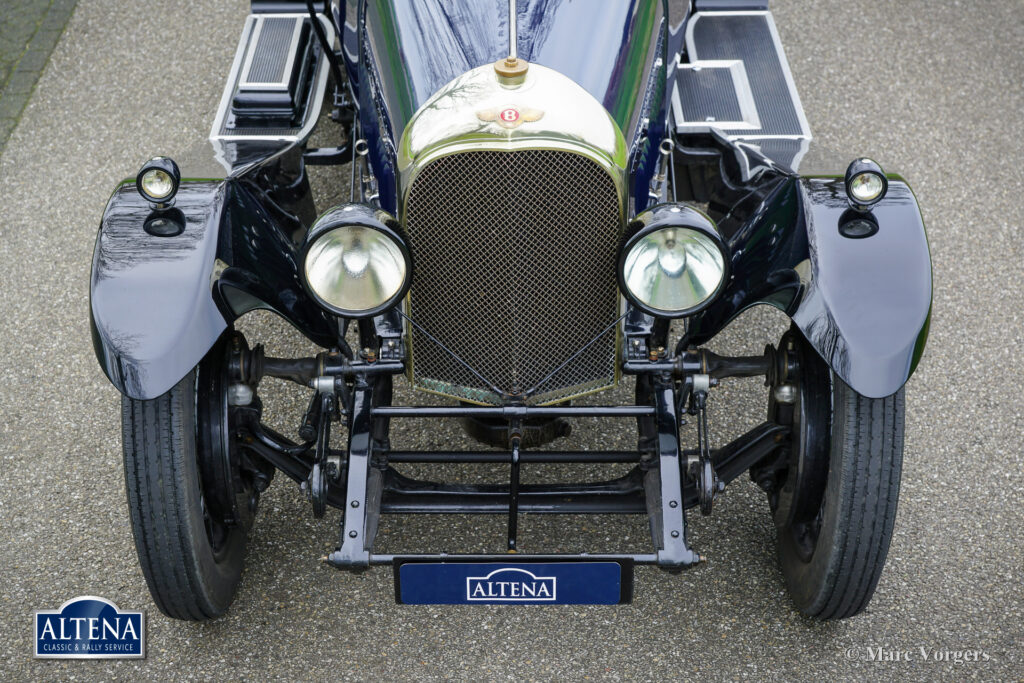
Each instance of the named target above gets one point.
<point>510,117</point>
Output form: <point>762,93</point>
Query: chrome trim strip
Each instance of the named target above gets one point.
<point>804,145</point>
<point>804,126</point>
<point>752,138</point>
<point>316,103</point>
<point>229,88</point>
<point>787,73</point>
<point>741,86</point>
<point>462,117</point>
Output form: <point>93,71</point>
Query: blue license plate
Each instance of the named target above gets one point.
<point>522,583</point>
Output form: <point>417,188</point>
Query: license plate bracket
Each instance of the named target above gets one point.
<point>523,581</point>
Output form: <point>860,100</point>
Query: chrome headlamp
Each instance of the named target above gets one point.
<point>354,262</point>
<point>865,182</point>
<point>675,264</point>
<point>158,180</point>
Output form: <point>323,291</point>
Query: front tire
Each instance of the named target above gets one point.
<point>836,504</point>
<point>191,551</point>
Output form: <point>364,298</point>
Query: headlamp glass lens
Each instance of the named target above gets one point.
<point>673,269</point>
<point>354,268</point>
<point>866,187</point>
<point>157,183</point>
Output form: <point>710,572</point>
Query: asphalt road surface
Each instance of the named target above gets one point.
<point>932,89</point>
<point>29,30</point>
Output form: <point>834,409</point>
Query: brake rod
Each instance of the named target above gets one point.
<point>700,361</point>
<point>513,497</point>
<point>255,366</point>
<point>704,362</point>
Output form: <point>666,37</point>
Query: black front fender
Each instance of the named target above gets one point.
<point>159,303</point>
<point>152,312</point>
<point>866,305</point>
<point>863,304</point>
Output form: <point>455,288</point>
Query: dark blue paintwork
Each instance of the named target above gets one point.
<point>414,47</point>
<point>157,304</point>
<point>418,46</point>
<point>867,302</point>
<point>864,304</point>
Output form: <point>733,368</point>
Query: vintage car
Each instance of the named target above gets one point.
<point>538,189</point>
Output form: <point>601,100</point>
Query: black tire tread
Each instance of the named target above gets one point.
<point>157,455</point>
<point>870,438</point>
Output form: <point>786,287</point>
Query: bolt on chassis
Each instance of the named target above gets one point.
<point>528,213</point>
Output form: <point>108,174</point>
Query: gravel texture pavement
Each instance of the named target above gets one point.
<point>932,89</point>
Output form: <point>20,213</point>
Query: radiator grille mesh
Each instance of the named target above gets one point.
<point>514,272</point>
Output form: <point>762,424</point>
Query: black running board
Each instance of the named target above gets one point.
<point>733,77</point>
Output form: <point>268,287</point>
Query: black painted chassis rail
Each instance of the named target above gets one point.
<point>514,412</point>
<point>368,485</point>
